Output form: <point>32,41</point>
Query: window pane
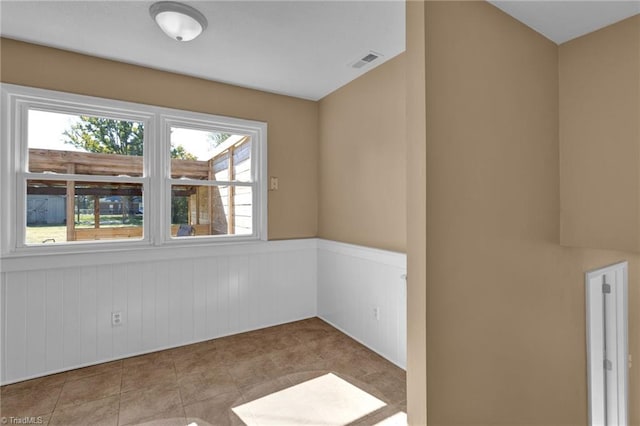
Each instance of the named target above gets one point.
<point>211,210</point>
<point>79,144</point>
<point>100,211</point>
<point>242,162</point>
<point>205,155</point>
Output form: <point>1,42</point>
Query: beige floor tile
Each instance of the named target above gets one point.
<point>303,376</point>
<point>147,375</point>
<point>173,421</point>
<point>312,334</point>
<point>199,362</point>
<point>30,385</point>
<point>254,371</point>
<point>35,401</point>
<point>107,367</point>
<point>358,363</point>
<point>309,324</point>
<point>158,359</point>
<point>278,342</point>
<point>102,412</point>
<point>201,382</point>
<point>144,405</point>
<point>215,411</point>
<point>245,349</point>
<point>200,386</point>
<point>390,413</point>
<point>393,388</point>
<point>296,359</point>
<point>90,388</point>
<point>250,393</point>
<point>370,389</point>
<point>333,346</point>
<point>188,350</point>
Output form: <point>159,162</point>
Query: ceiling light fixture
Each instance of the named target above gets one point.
<point>177,20</point>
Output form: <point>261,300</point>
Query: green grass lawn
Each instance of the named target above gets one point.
<point>86,220</point>
<point>38,234</point>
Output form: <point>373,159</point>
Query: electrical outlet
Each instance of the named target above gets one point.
<point>273,183</point>
<point>116,318</point>
<point>376,313</point>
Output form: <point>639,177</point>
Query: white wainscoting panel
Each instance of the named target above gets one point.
<point>56,310</point>
<point>352,282</point>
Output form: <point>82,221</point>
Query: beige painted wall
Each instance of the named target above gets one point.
<point>362,160</point>
<point>600,138</point>
<point>416,214</point>
<point>293,123</point>
<point>505,302</point>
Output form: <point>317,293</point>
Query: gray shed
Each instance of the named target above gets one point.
<point>46,209</point>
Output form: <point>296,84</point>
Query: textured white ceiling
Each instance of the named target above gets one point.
<point>297,48</point>
<point>301,48</point>
<point>562,20</point>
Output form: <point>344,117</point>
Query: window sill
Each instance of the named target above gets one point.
<point>25,260</point>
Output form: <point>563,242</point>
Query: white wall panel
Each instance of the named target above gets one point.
<point>352,281</point>
<point>120,304</point>
<point>87,302</point>
<point>200,277</point>
<point>15,323</point>
<point>54,338</point>
<point>59,318</point>
<point>134,307</point>
<point>162,306</point>
<point>148,307</point>
<point>212,299</point>
<point>104,307</point>
<point>70,317</point>
<point>37,321</point>
<point>56,310</point>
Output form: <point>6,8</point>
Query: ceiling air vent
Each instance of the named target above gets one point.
<point>366,60</point>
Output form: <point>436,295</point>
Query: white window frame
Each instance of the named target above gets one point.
<point>156,181</point>
<point>205,123</point>
<point>608,361</point>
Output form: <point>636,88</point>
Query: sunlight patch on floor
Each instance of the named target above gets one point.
<point>398,419</point>
<point>326,400</point>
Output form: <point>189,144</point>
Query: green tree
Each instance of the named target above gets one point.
<point>179,209</point>
<point>106,136</point>
<point>180,153</point>
<point>216,139</point>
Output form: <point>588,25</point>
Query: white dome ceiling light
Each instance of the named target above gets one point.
<point>177,20</point>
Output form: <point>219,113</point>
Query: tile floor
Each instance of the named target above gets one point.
<point>200,383</point>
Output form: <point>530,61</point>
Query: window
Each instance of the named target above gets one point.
<point>211,182</point>
<point>82,170</point>
<point>84,178</point>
